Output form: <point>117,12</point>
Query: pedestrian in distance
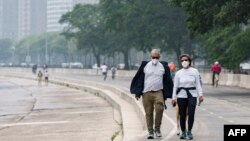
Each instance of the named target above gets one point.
<point>46,77</point>
<point>172,68</point>
<point>34,69</point>
<point>187,87</point>
<point>104,69</point>
<point>154,83</point>
<point>39,77</point>
<point>216,69</point>
<point>113,71</point>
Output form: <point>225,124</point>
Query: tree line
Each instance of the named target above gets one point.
<point>206,29</point>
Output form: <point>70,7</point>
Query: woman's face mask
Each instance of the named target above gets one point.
<point>185,64</point>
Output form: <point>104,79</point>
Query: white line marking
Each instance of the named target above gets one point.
<point>173,131</point>
<point>35,123</point>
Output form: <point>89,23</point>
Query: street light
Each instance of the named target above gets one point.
<point>46,49</point>
<point>13,54</point>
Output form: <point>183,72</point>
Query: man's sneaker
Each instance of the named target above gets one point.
<point>189,135</point>
<point>183,135</point>
<point>151,135</point>
<point>158,133</point>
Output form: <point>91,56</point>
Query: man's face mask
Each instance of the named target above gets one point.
<point>155,60</point>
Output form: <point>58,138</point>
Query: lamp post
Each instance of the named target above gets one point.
<point>46,49</point>
<point>13,55</point>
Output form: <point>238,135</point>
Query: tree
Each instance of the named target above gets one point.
<point>219,22</point>
<point>229,45</point>
<point>204,15</point>
<point>35,47</point>
<point>147,24</point>
<point>6,51</point>
<point>86,25</point>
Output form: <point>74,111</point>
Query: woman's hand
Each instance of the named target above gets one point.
<point>201,98</point>
<point>174,101</point>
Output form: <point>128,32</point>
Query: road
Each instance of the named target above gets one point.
<point>53,113</point>
<point>222,105</point>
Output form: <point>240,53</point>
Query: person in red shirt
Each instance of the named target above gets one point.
<point>216,69</point>
<point>172,68</point>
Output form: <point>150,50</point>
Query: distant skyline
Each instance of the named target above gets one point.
<point>22,18</point>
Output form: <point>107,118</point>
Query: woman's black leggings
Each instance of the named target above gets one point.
<point>187,107</point>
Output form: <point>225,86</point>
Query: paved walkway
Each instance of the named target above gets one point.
<point>53,113</point>
<point>222,105</point>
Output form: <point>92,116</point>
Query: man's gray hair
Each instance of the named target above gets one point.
<point>155,51</point>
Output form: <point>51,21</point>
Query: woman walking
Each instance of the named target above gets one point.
<point>187,88</point>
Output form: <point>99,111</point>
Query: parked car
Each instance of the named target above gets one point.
<point>23,64</point>
<point>2,64</point>
<point>121,66</point>
<point>75,65</point>
<point>65,65</point>
<point>95,66</point>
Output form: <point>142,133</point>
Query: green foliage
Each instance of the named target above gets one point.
<point>85,24</point>
<point>146,24</point>
<point>229,45</point>
<point>204,15</point>
<point>6,50</point>
<point>218,21</point>
<point>35,46</point>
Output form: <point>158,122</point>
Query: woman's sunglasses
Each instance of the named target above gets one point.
<point>184,60</point>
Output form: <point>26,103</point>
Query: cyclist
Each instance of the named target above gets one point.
<point>216,69</point>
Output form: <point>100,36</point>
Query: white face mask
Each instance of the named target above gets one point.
<point>185,64</point>
<point>155,61</point>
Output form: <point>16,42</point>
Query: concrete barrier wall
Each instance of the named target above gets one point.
<point>228,79</point>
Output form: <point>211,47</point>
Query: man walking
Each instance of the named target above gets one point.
<point>39,77</point>
<point>154,83</point>
<point>104,69</point>
<point>113,71</point>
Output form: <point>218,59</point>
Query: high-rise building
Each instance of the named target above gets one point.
<point>85,1</point>
<point>23,18</point>
<point>38,17</point>
<point>56,8</point>
<point>1,18</point>
<point>32,17</point>
<point>9,19</point>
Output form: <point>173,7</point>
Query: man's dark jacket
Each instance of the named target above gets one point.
<point>137,84</point>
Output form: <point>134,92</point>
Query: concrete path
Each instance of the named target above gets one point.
<point>53,113</point>
<point>222,105</point>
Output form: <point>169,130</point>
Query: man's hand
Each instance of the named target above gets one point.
<point>137,98</point>
<point>174,101</point>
